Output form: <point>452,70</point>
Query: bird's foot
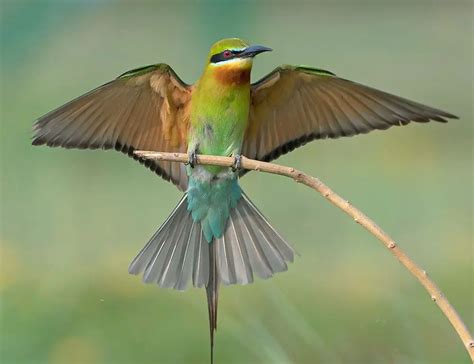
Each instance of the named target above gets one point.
<point>237,166</point>
<point>192,159</point>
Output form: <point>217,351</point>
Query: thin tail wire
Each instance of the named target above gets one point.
<point>212,290</point>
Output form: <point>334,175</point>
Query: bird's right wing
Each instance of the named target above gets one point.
<point>294,105</point>
<point>146,108</point>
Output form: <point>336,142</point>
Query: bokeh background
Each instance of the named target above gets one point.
<point>71,221</point>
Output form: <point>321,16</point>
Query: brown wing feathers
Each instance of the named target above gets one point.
<point>294,105</point>
<point>148,108</point>
<point>145,109</point>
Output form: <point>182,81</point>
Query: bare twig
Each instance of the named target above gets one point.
<point>358,216</point>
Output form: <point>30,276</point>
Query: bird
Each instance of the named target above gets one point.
<point>216,235</point>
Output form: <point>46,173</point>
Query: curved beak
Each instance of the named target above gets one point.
<point>252,51</point>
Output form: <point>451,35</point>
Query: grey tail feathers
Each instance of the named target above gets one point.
<point>178,253</point>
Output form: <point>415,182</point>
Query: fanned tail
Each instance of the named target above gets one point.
<point>179,253</point>
<point>176,254</point>
<point>250,246</point>
<point>212,291</point>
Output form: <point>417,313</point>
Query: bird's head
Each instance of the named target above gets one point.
<point>232,55</point>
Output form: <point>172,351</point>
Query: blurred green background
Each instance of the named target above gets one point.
<point>71,221</point>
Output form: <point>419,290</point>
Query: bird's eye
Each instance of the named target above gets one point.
<point>227,54</point>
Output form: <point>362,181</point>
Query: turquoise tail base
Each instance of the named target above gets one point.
<point>210,203</point>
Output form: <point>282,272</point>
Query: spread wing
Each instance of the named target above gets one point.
<point>146,108</point>
<point>294,105</point>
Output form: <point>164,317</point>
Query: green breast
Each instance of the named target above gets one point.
<point>219,117</point>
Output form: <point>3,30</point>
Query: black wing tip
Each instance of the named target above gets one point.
<point>36,139</point>
<point>450,116</point>
<point>123,148</point>
<point>37,142</point>
<point>148,163</point>
<point>441,116</point>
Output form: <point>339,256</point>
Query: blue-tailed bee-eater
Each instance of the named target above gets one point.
<point>215,234</point>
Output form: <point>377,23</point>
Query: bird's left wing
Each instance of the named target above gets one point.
<point>146,108</point>
<point>294,105</point>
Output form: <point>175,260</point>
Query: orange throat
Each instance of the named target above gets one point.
<point>231,75</point>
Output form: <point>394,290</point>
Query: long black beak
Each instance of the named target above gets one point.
<point>252,51</point>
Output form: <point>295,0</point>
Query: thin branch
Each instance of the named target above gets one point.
<point>358,216</point>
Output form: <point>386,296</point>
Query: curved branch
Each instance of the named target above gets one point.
<point>358,216</point>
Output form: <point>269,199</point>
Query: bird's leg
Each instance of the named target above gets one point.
<point>192,158</point>
<point>237,163</point>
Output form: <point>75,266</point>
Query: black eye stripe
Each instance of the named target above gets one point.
<point>219,57</point>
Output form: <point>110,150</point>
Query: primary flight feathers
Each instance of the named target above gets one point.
<point>148,109</point>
